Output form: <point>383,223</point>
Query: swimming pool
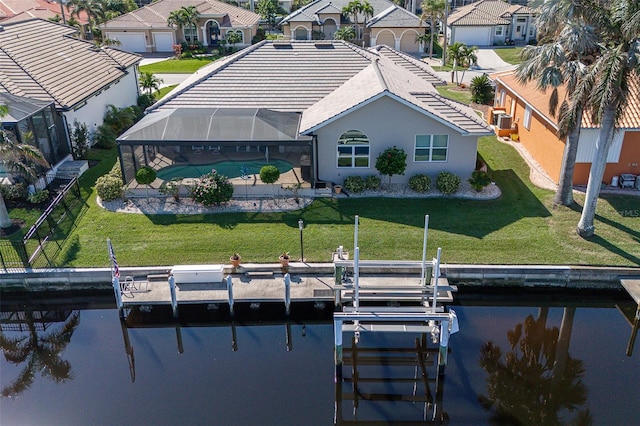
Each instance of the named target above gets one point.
<point>231,169</point>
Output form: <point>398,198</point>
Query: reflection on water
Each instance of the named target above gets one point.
<point>508,365</point>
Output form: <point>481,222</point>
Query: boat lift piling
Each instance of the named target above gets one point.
<point>174,298</point>
<point>287,293</point>
<point>118,292</point>
<point>423,280</point>
<point>230,291</point>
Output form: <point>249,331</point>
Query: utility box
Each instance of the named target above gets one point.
<point>184,274</point>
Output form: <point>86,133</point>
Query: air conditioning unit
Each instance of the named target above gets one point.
<point>504,121</point>
<point>495,116</point>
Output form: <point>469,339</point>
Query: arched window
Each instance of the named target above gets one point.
<point>239,32</point>
<point>353,149</point>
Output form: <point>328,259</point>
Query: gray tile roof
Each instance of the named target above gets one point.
<point>42,60</point>
<point>321,80</point>
<point>310,11</point>
<point>155,15</point>
<point>486,13</point>
<point>395,17</point>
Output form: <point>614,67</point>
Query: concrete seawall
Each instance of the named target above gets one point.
<point>470,276</point>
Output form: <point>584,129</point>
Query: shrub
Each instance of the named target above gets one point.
<point>79,140</point>
<point>481,90</point>
<point>116,170</point>
<point>145,100</point>
<point>41,195</point>
<point>212,188</point>
<point>109,187</point>
<point>479,179</point>
<point>354,184</point>
<point>172,188</point>
<point>447,182</point>
<point>269,174</point>
<point>186,55</point>
<point>372,182</point>
<point>104,137</point>
<point>145,175</point>
<point>420,183</point>
<point>16,192</point>
<point>392,161</point>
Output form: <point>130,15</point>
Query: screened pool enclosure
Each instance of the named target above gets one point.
<point>237,142</point>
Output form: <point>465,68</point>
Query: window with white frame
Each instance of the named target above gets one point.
<point>190,33</point>
<point>353,149</point>
<point>431,148</point>
<point>499,30</point>
<point>527,117</point>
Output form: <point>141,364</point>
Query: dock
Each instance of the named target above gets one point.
<point>633,288</point>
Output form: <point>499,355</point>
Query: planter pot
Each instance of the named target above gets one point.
<point>337,189</point>
<point>284,261</point>
<point>235,262</point>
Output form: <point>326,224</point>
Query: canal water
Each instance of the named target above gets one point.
<point>514,361</point>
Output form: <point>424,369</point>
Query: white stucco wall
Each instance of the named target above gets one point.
<point>122,94</point>
<point>387,122</point>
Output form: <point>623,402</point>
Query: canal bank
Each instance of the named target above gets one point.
<point>463,276</point>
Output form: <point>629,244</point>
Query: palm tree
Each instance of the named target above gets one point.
<point>93,8</point>
<point>367,11</point>
<point>612,80</point>
<point>41,353</point>
<point>191,14</point>
<point>17,158</point>
<point>434,11</point>
<point>149,82</point>
<point>345,33</point>
<point>561,62</point>
<point>353,9</point>
<point>469,58</point>
<point>463,56</point>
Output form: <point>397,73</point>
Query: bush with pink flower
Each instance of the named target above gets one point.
<point>212,188</point>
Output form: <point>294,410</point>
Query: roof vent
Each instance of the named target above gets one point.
<point>282,45</point>
<point>1,28</point>
<point>324,44</point>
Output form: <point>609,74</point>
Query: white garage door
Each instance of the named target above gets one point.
<point>473,36</point>
<point>131,42</point>
<point>163,42</point>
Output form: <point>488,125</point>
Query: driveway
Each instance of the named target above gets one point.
<point>488,62</point>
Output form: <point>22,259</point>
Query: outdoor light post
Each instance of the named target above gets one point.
<point>301,227</point>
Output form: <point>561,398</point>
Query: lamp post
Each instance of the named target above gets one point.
<point>301,227</point>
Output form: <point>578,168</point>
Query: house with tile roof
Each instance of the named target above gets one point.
<point>320,110</point>
<point>491,22</point>
<point>527,112</point>
<point>146,29</point>
<point>390,24</point>
<point>23,10</point>
<point>44,61</point>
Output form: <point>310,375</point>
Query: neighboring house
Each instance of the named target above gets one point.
<point>43,61</point>
<point>21,10</point>
<point>527,109</point>
<point>146,29</point>
<point>491,22</point>
<point>390,24</point>
<point>325,109</point>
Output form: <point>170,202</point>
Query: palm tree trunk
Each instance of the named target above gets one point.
<point>585,226</point>
<point>564,194</point>
<point>5,220</point>
<point>431,42</point>
<point>562,349</point>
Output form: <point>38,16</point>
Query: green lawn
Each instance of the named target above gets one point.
<point>510,54</point>
<point>176,66</point>
<point>522,227</point>
<point>162,92</point>
<point>452,91</point>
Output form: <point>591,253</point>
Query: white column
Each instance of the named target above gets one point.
<point>205,36</point>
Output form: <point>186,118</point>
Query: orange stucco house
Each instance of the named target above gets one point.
<point>523,111</point>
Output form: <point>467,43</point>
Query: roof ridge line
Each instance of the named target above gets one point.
<point>240,54</point>
<point>376,67</point>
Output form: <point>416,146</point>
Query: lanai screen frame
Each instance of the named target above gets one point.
<point>211,129</point>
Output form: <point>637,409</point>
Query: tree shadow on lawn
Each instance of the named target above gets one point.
<point>475,218</point>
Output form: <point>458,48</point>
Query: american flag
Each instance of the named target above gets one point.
<point>114,262</point>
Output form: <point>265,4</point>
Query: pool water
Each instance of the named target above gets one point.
<point>231,169</point>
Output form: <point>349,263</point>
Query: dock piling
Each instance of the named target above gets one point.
<point>337,332</point>
<point>116,289</point>
<point>287,293</point>
<point>230,290</point>
<point>174,298</point>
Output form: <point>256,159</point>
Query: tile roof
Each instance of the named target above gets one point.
<point>486,13</point>
<point>42,60</point>
<point>539,100</point>
<point>395,17</point>
<point>310,12</point>
<point>321,80</point>
<point>155,15</point>
<point>20,10</point>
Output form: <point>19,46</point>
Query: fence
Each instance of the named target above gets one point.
<point>43,242</point>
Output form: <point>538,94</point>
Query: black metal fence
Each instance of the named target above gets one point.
<point>43,242</point>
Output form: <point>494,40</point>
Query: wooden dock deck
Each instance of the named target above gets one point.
<point>633,288</point>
